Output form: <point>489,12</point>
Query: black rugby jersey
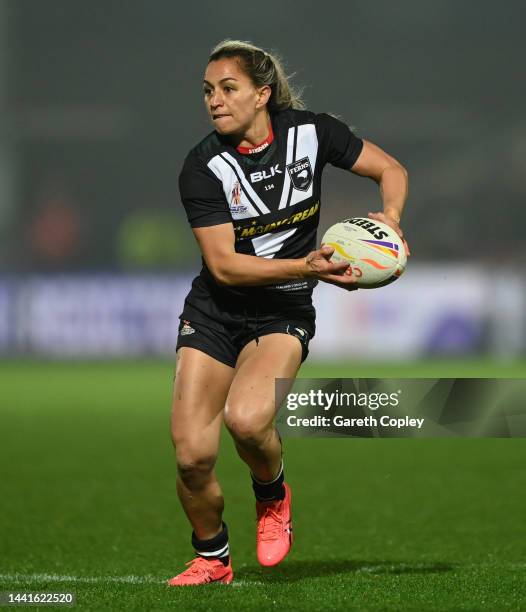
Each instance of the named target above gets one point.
<point>272,198</point>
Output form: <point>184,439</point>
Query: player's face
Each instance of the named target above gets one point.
<point>231,99</point>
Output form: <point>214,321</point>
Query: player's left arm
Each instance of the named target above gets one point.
<point>391,177</point>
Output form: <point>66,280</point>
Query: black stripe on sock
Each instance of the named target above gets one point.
<point>269,491</point>
<point>218,542</point>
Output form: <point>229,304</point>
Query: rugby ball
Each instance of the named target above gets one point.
<point>375,251</point>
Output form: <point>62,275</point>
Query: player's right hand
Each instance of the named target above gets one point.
<point>336,273</point>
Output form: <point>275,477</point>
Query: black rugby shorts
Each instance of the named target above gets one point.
<point>225,341</point>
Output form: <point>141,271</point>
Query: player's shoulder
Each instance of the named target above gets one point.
<point>195,170</point>
<point>204,150</point>
<point>293,117</point>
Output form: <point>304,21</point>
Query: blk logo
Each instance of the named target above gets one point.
<point>255,177</point>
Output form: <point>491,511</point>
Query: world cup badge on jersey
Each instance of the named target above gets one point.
<point>300,174</point>
<point>236,194</point>
<point>235,199</point>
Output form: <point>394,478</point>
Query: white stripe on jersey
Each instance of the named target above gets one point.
<point>269,244</point>
<point>244,209</point>
<point>232,172</point>
<point>229,172</point>
<point>247,187</point>
<point>286,178</point>
<point>306,146</point>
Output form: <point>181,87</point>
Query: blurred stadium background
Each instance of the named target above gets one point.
<point>100,102</point>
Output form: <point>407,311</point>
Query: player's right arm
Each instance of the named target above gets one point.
<point>230,268</point>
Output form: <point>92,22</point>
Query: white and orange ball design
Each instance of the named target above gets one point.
<point>374,250</point>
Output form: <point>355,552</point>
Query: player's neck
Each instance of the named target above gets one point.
<point>259,133</point>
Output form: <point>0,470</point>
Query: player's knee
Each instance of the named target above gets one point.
<point>246,430</point>
<point>194,465</point>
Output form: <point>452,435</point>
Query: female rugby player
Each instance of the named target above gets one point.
<point>251,191</point>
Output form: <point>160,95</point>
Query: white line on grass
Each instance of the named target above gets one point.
<point>25,578</point>
<point>30,578</point>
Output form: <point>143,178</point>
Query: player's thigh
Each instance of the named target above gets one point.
<point>200,390</point>
<point>252,395</point>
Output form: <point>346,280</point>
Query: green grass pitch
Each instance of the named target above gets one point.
<point>88,503</point>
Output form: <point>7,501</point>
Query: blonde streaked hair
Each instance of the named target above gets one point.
<point>263,69</point>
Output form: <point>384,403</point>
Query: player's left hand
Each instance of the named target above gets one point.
<point>391,222</point>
